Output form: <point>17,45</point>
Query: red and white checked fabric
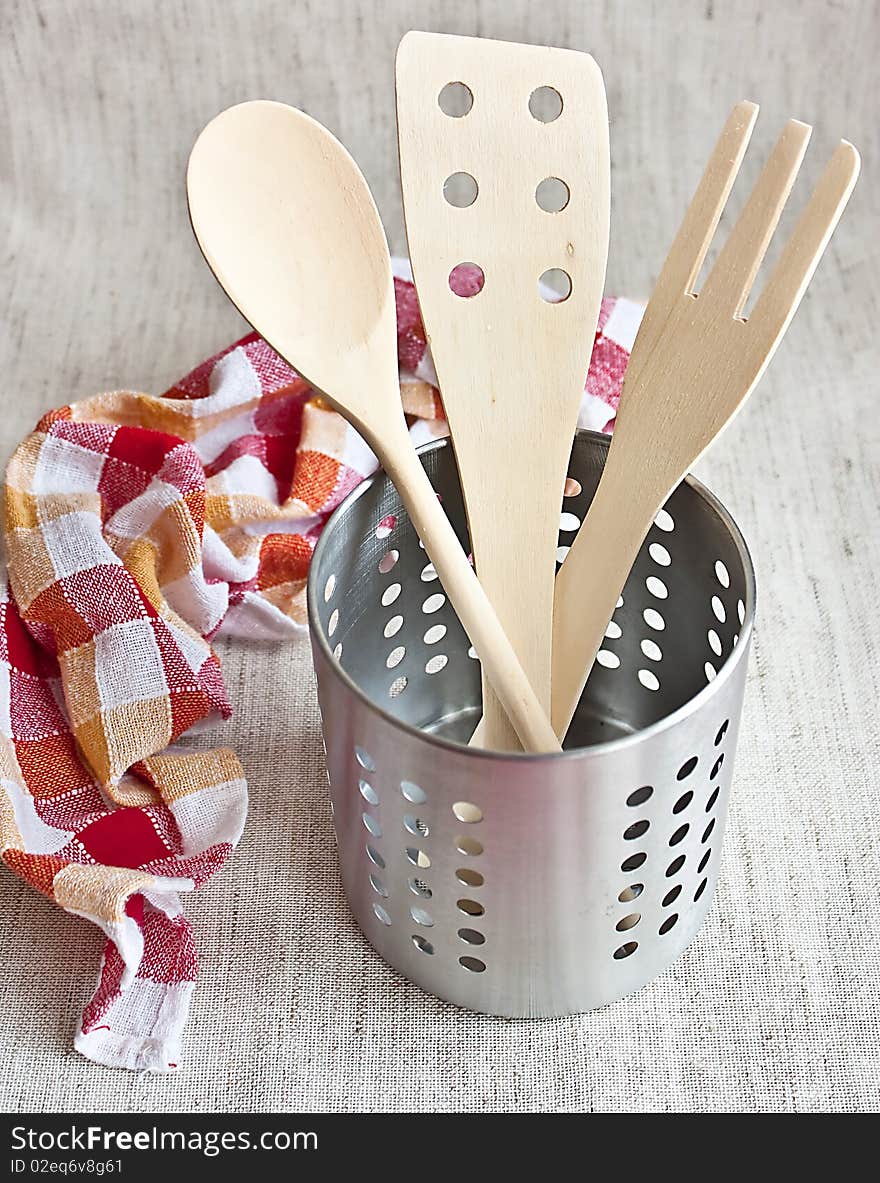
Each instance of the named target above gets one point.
<point>136,528</point>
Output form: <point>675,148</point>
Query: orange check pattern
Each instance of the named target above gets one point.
<point>136,528</point>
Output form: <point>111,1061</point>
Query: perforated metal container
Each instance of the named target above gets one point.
<point>515,884</point>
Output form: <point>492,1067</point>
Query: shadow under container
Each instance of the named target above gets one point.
<point>529,885</point>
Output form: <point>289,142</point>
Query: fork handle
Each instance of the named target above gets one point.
<point>588,585</point>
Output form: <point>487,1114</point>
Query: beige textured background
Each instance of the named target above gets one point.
<point>776,1005</point>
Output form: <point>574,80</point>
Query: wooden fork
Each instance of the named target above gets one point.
<point>694,362</point>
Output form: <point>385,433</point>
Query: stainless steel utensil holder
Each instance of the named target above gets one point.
<point>515,884</point>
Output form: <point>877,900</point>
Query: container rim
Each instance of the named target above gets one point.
<point>593,750</point>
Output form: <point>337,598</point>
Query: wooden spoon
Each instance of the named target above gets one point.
<point>511,364</point>
<point>694,362</point>
<point>289,228</point>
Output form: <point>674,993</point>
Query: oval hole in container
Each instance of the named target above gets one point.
<point>633,862</point>
<point>364,758</point>
<point>395,657</point>
<point>468,846</point>
<point>422,944</point>
<point>554,285</point>
<point>668,923</point>
<point>470,907</point>
<point>467,812</point>
<point>631,893</point>
<point>455,99</point>
<point>719,609</point>
<point>713,798</point>
<point>393,627</point>
<point>654,620</point>
<point>416,826</point>
<point>651,650</point>
<point>332,622</point>
<point>687,768</point>
<point>387,524</point>
<point>722,574</point>
<point>390,594</point>
<point>708,831</point>
<point>679,835</point>
<point>329,588</point>
<point>466,280</point>
<point>700,890</point>
<point>434,634</point>
<point>372,825</point>
<point>626,950</point>
<point>659,554</point>
<point>460,190</point>
<point>433,603</point>
<point>656,587</point>
<point>422,917</point>
<point>683,802</point>
<point>628,922</point>
<point>473,964</point>
<point>664,521</point>
<point>412,792</point>
<point>469,877</point>
<point>716,767</point>
<point>378,886</point>
<point>573,487</point>
<point>387,561</point>
<point>545,104</point>
<point>722,731</point>
<point>375,857</point>
<point>672,895</point>
<point>639,796</point>
<point>436,663</point>
<point>649,679</point>
<point>703,861</point>
<point>636,830</point>
<point>470,936</point>
<point>613,632</point>
<point>381,914</point>
<point>552,195</point>
<point>368,792</point>
<point>397,687</point>
<point>608,659</point>
<point>675,866</point>
<point>420,888</point>
<point>417,857</point>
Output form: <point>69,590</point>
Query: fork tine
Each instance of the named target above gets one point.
<point>731,279</point>
<point>685,258</point>
<point>788,281</point>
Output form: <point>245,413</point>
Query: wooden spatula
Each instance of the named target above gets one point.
<point>288,226</point>
<point>515,184</point>
<point>694,362</point>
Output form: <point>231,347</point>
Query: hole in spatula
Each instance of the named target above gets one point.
<point>554,286</point>
<point>551,195</point>
<point>466,280</point>
<point>545,104</point>
<point>460,190</point>
<point>455,99</point>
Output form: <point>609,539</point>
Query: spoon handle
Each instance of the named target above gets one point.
<point>471,604</point>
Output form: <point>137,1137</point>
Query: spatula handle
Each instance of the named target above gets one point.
<point>472,606</point>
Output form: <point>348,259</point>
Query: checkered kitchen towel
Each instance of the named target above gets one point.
<point>136,528</point>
